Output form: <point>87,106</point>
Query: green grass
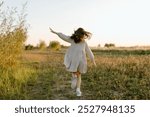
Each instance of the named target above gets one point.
<point>120,52</point>
<point>13,82</point>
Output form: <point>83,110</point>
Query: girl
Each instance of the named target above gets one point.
<point>75,57</point>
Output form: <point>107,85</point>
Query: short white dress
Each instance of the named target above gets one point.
<point>75,57</point>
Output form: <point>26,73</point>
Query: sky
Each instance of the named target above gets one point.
<point>122,22</point>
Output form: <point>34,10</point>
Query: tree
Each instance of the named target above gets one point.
<point>54,45</point>
<point>42,45</point>
<point>99,46</point>
<point>109,45</point>
<point>29,47</point>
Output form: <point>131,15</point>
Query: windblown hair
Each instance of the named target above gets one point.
<point>80,34</point>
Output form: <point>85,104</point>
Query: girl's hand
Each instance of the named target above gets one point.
<point>52,30</point>
<point>94,63</point>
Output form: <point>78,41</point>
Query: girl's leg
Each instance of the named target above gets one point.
<point>78,84</point>
<point>78,80</point>
<point>74,80</point>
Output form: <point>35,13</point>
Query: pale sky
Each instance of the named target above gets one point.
<point>122,22</point>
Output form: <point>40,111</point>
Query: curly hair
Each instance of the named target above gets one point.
<point>80,34</point>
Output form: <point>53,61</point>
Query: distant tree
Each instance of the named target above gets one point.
<point>99,46</point>
<point>29,47</point>
<point>54,45</point>
<point>42,45</point>
<point>112,45</point>
<point>109,45</point>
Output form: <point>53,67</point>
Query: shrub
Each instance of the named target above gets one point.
<point>55,45</point>
<point>42,45</point>
<point>99,45</point>
<point>109,45</point>
<point>29,47</point>
<point>13,34</point>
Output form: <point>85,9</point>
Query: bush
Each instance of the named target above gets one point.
<point>13,75</point>
<point>99,45</point>
<point>109,45</point>
<point>29,47</point>
<point>42,45</point>
<point>55,45</point>
<point>13,34</point>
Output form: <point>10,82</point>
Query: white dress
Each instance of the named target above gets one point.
<point>75,57</point>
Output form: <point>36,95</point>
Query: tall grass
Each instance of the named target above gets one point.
<point>13,82</point>
<point>13,34</point>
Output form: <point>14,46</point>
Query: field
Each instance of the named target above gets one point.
<point>120,74</point>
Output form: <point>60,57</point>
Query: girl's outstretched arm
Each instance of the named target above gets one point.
<point>62,36</point>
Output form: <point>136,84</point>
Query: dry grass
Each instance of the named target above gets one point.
<point>116,77</point>
<point>13,75</point>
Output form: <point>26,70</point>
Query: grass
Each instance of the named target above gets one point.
<point>13,82</point>
<point>120,77</point>
<point>117,76</point>
<point>13,33</point>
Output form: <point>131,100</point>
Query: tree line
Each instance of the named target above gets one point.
<point>55,45</point>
